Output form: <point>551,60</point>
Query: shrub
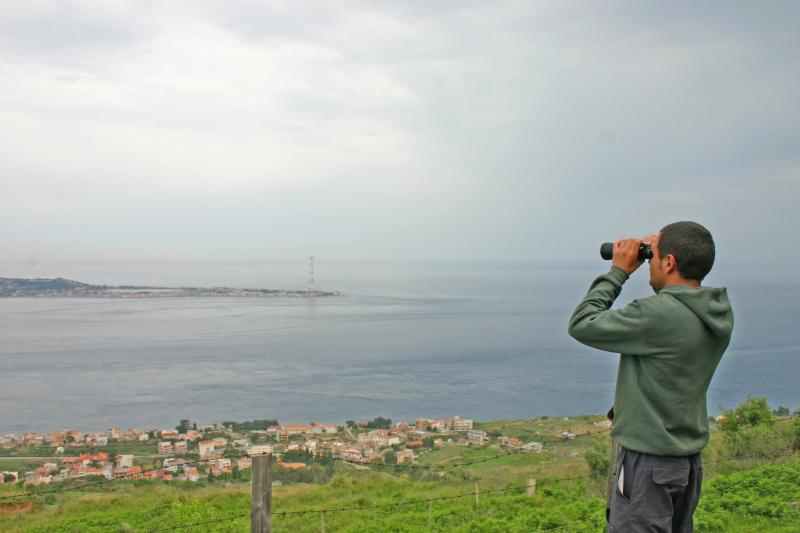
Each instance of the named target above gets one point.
<point>754,411</point>
<point>794,434</point>
<point>598,457</point>
<point>756,442</point>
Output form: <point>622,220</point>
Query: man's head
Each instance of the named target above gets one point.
<point>683,253</point>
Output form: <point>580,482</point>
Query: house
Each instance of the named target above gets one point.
<point>55,438</point>
<point>181,447</point>
<point>535,447</point>
<point>192,474</point>
<point>205,448</point>
<point>73,436</point>
<point>32,439</point>
<point>86,458</point>
<point>244,463</point>
<point>152,474</point>
<point>460,424</point>
<point>221,466</point>
<point>297,429</point>
<point>476,436</point>
<point>387,441</point>
<point>108,469</point>
<point>512,442</point>
<point>96,439</point>
<point>170,463</point>
<point>169,434</point>
<point>220,443</point>
<point>165,448</point>
<point>293,466</point>
<point>405,455</point>
<point>439,425</point>
<point>352,454</point>
<point>125,460</point>
<point>193,434</point>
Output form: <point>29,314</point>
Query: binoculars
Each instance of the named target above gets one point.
<point>607,251</point>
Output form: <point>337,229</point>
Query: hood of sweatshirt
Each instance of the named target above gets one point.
<point>710,304</point>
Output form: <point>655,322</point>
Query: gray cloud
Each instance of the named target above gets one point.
<point>456,131</point>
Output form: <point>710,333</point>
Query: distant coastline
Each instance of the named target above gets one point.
<point>65,288</point>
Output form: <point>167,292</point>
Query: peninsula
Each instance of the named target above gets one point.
<point>65,288</point>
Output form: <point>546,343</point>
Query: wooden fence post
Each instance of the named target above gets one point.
<point>612,471</point>
<point>430,515</point>
<point>476,494</point>
<point>261,501</point>
<point>322,521</point>
<point>531,487</point>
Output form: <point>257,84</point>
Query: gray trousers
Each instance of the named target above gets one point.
<point>655,493</point>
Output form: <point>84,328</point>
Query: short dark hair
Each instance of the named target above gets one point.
<point>692,246</point>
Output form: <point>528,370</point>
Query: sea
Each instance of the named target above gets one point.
<point>480,340</point>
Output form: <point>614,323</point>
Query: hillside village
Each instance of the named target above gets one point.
<point>195,453</point>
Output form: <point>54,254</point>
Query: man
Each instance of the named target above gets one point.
<point>669,345</point>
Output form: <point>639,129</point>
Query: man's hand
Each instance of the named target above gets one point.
<point>626,255</point>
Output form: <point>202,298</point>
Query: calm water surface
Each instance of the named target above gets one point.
<point>482,341</point>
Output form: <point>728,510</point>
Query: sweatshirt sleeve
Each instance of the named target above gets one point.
<point>594,324</point>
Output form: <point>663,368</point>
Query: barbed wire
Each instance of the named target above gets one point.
<point>375,507</point>
<point>201,523</point>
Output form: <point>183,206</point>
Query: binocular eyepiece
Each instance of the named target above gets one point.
<point>607,251</point>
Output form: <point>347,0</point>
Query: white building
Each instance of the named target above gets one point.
<point>460,424</point>
<point>205,448</point>
<point>476,436</point>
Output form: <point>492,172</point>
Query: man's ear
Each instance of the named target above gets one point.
<point>670,264</point>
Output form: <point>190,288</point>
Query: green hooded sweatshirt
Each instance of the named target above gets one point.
<point>669,345</point>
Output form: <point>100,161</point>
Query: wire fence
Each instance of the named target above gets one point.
<point>471,494</point>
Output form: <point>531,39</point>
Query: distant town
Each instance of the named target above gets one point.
<point>193,453</point>
<point>65,288</point>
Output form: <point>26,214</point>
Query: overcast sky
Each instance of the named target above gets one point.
<point>394,130</point>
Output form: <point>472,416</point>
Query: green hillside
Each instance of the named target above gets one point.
<point>751,468</point>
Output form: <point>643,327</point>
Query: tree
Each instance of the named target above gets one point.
<point>184,426</point>
<point>8,478</point>
<point>754,411</point>
<point>379,423</point>
<point>781,411</point>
